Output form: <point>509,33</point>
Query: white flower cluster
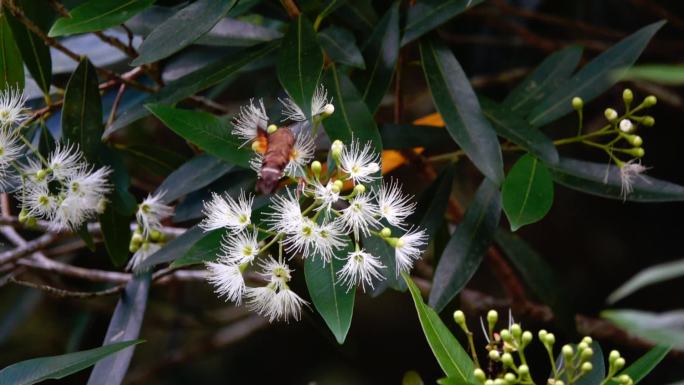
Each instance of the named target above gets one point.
<point>326,217</point>
<point>148,238</point>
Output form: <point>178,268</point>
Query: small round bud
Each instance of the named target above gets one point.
<point>335,188</point>
<point>137,239</point>
<point>610,114</point>
<point>586,354</point>
<point>41,174</point>
<point>627,95</point>
<point>494,355</point>
<point>526,337</point>
<point>637,152</point>
<point>587,367</point>
<point>614,355</point>
<point>581,346</point>
<point>510,377</point>
<point>133,248</point>
<point>523,370</point>
<point>507,359</point>
<point>328,110</point>
<point>271,128</point>
<point>31,222</point>
<point>316,167</point>
<point>587,340</point>
<point>359,189</point>
<point>336,148</point>
<point>23,216</point>
<point>339,184</point>
<point>577,103</point>
<point>567,351</point>
<point>626,125</point>
<point>492,317</point>
<point>479,375</point>
<point>506,335</point>
<point>650,101</point>
<point>542,334</point>
<point>624,379</point>
<point>373,167</point>
<point>559,382</point>
<point>635,141</point>
<point>459,317</point>
<point>550,339</point>
<point>489,382</point>
<point>619,363</point>
<point>256,146</point>
<point>386,232</point>
<point>516,330</point>
<point>648,121</point>
<point>499,381</point>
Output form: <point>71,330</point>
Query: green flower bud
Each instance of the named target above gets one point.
<point>550,339</point>
<point>567,351</point>
<point>624,379</point>
<point>587,367</point>
<point>339,184</point>
<point>155,235</point>
<point>23,216</point>
<point>650,101</point>
<point>507,359</point>
<point>335,188</point>
<point>627,95</point>
<point>619,363</point>
<point>41,174</point>
<point>494,355</point>
<point>542,335</point>
<point>526,337</point>
<point>133,248</point>
<point>523,370</point>
<point>510,377</point>
<point>499,381</point>
<point>559,382</point>
<point>31,222</point>
<point>492,317</point>
<point>635,140</point>
<point>479,375</point>
<point>610,114</point>
<point>359,189</point>
<point>516,330</point>
<point>614,355</point>
<point>648,121</point>
<point>272,128</point>
<point>316,167</point>
<point>581,346</point>
<point>506,335</point>
<point>386,232</point>
<point>637,152</point>
<point>587,340</point>
<point>489,382</point>
<point>586,354</point>
<point>336,149</point>
<point>459,318</point>
<point>577,103</point>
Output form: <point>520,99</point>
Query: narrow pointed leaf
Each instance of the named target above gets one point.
<point>182,29</point>
<point>544,80</point>
<point>116,232</point>
<point>604,180</point>
<point>194,174</point>
<point>661,328</point>
<point>463,254</point>
<point>456,102</point>
<point>381,53</point>
<point>404,136</point>
<point>380,248</point>
<point>175,249</point>
<point>333,301</point>
<point>124,325</point>
<point>646,363</point>
<point>452,358</point>
<point>82,110</point>
<point>648,276</point>
<point>204,130</point>
<point>339,44</point>
<point>56,367</point>
<point>204,250</point>
<point>433,203</point>
<point>97,15</point>
<point>527,192</point>
<point>300,63</point>
<point>11,67</point>
<point>426,15</point>
<point>594,78</point>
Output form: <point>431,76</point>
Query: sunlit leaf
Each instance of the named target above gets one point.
<point>648,276</point>
<point>638,370</point>
<point>671,75</point>
<point>196,173</point>
<point>97,15</point>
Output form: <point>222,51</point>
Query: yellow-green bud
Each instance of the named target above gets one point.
<point>614,355</point>
<point>587,367</point>
<point>559,382</point>
<point>506,335</point>
<point>41,174</point>
<point>492,317</point>
<point>339,184</point>
<point>155,235</point>
<point>359,189</point>
<point>523,370</point>
<point>637,152</point>
<point>316,167</point>
<point>634,140</point>
<point>587,340</point>
<point>137,239</point>
<point>328,110</point>
<point>624,379</point>
<point>526,337</point>
<point>586,354</point>
<point>577,103</point>
<point>459,318</point>
<point>627,95</point>
<point>650,101</point>
<point>499,381</point>
<point>507,359</point>
<point>542,334</point>
<point>336,148</point>
<point>23,216</point>
<point>489,382</point>
<point>619,363</point>
<point>256,146</point>
<point>479,375</point>
<point>335,188</point>
<point>648,121</point>
<point>31,222</point>
<point>133,247</point>
<point>610,114</point>
<point>510,377</point>
<point>516,330</point>
<point>494,355</point>
<point>567,351</point>
<point>550,339</point>
<point>272,128</point>
<point>386,232</point>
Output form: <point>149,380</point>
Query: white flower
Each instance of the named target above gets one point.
<point>303,239</point>
<point>151,211</point>
<point>360,215</point>
<point>360,163</point>
<point>227,279</point>
<point>240,248</point>
<point>10,151</point>
<point>361,268</point>
<point>394,205</point>
<point>408,249</point>
<point>328,238</point>
<point>89,187</point>
<point>275,272</point>
<point>145,250</point>
<point>12,109</point>
<point>301,154</point>
<point>224,211</point>
<point>256,162</point>
<point>319,105</point>
<point>262,300</point>
<point>628,173</point>
<point>65,161</point>
<point>626,125</point>
<point>285,215</point>
<point>289,305</point>
<point>38,201</point>
<point>70,213</point>
<point>326,194</point>
<point>251,118</point>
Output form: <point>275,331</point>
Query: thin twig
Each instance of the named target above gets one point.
<point>31,246</point>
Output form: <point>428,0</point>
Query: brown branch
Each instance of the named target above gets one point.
<point>291,8</point>
<point>30,247</point>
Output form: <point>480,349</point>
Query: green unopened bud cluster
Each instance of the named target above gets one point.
<point>508,364</point>
<point>139,242</point>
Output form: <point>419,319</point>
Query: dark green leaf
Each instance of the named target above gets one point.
<point>116,232</point>
<point>341,47</point>
<point>124,325</point>
<point>182,29</point>
<point>458,105</point>
<point>122,200</point>
<point>46,142</point>
<point>381,53</point>
<point>34,52</point>
<point>434,201</point>
<point>190,84</point>
<point>196,173</point>
<point>82,111</point>
<point>56,367</point>
<point>333,301</point>
<point>175,248</point>
<point>204,130</point>
<point>97,15</point>
<point>86,236</point>
<point>604,180</point>
<point>646,363</point>
<point>404,136</point>
<point>300,63</point>
<point>379,247</point>
<point>648,276</point>
<point>451,357</point>
<point>359,15</point>
<point>467,246</point>
<point>426,15</point>
<point>516,129</point>
<point>544,80</point>
<point>661,328</point>
<point>595,77</point>
<point>155,159</point>
<point>204,250</point>
<point>527,192</point>
<point>11,67</point>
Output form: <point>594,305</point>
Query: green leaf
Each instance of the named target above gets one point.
<point>646,363</point>
<point>333,301</point>
<point>124,325</point>
<point>122,200</point>
<point>513,127</point>
<point>405,136</point>
<point>82,110</point>
<point>300,63</point>
<point>155,159</point>
<point>34,52</point>
<point>380,248</point>
<point>604,180</point>
<point>594,78</point>
<point>527,192</point>
<point>97,15</point>
<point>192,83</point>
<point>463,254</point>
<point>204,250</point>
<point>85,235</point>
<point>56,367</point>
<point>359,14</point>
<point>116,232</point>
<point>175,249</point>
<point>669,75</point>
<point>434,201</point>
<point>11,67</point>
<point>544,80</point>
<point>182,29</point>
<point>381,53</point>
<point>426,15</point>
<point>661,328</point>
<point>204,130</point>
<point>339,44</point>
<point>456,102</point>
<point>648,276</point>
<point>193,175</point>
<point>451,357</point>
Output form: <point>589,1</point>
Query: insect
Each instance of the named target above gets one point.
<point>279,147</point>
